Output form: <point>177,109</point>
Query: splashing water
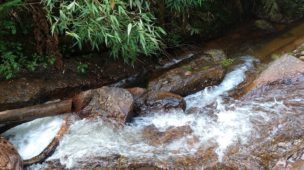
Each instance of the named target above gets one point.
<point>33,137</point>
<point>231,80</point>
<point>215,123</point>
<point>95,138</point>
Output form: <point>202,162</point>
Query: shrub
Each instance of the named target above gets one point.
<point>127,28</point>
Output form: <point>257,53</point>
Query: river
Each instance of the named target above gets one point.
<point>257,131</point>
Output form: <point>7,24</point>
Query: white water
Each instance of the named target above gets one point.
<point>226,125</point>
<point>231,80</point>
<point>33,137</point>
<point>93,138</point>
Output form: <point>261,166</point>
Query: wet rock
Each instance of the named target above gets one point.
<point>22,92</point>
<point>282,68</point>
<point>81,100</point>
<point>216,55</point>
<point>9,157</point>
<point>178,80</point>
<point>137,91</point>
<point>19,91</point>
<point>301,58</point>
<point>165,101</point>
<point>293,162</point>
<point>159,101</point>
<point>264,25</point>
<point>155,137</point>
<point>109,103</point>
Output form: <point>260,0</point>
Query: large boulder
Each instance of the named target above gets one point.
<point>282,68</point>
<point>189,78</point>
<point>9,157</point>
<point>109,103</point>
<point>19,92</point>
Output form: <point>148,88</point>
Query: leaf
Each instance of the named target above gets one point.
<point>129,28</point>
<point>71,5</point>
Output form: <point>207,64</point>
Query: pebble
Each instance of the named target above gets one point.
<point>188,73</point>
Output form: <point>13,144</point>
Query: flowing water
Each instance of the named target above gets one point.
<point>254,132</point>
<point>31,138</point>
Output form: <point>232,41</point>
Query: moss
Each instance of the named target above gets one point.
<point>227,62</point>
<point>205,67</point>
<point>188,68</point>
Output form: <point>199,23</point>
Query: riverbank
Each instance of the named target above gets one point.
<point>35,88</point>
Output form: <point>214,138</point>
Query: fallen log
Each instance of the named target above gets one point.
<point>34,112</point>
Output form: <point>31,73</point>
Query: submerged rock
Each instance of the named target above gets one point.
<point>9,157</point>
<point>154,137</point>
<point>109,103</point>
<point>158,101</point>
<point>189,78</point>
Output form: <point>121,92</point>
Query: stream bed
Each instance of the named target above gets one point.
<point>259,131</point>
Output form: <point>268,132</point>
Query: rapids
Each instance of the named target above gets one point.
<point>253,132</point>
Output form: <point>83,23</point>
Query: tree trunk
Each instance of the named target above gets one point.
<point>46,43</point>
<point>34,112</point>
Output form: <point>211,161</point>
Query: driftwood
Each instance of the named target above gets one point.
<point>34,112</point>
<point>52,146</point>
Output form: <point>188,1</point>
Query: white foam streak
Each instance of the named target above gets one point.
<point>230,81</point>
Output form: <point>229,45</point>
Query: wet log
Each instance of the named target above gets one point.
<point>34,112</point>
<point>49,150</point>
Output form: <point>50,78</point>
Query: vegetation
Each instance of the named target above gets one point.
<point>124,28</point>
<point>227,62</point>
<point>128,29</point>
<point>82,68</point>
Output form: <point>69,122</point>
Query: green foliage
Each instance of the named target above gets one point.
<point>282,10</point>
<point>182,5</point>
<point>10,4</point>
<point>12,61</point>
<point>128,29</point>
<point>82,68</point>
<point>12,57</point>
<point>36,61</point>
<point>271,7</point>
<point>9,65</point>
